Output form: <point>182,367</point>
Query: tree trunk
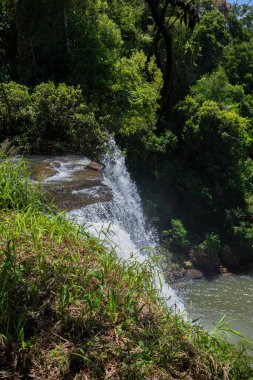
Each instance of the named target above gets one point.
<point>65,28</point>
<point>158,16</point>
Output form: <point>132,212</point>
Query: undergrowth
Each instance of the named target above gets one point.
<point>71,309</point>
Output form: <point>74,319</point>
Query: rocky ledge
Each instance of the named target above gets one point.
<point>81,187</point>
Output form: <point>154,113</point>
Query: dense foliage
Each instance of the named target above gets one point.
<point>173,81</point>
<point>49,118</point>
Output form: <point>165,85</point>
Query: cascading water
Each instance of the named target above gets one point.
<point>124,211</point>
<point>122,219</point>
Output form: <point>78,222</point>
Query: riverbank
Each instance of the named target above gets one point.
<point>71,309</point>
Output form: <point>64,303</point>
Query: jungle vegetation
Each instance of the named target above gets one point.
<point>172,80</point>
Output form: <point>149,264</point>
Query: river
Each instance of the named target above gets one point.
<point>230,295</point>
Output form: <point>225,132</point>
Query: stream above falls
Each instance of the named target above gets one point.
<point>109,205</point>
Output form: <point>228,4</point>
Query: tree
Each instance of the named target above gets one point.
<point>211,36</point>
<point>164,14</point>
<point>42,39</point>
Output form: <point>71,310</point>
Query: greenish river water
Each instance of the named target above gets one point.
<point>210,300</point>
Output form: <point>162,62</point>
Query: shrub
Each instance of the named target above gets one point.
<point>52,118</point>
<point>211,245</point>
<point>63,120</point>
<point>16,114</point>
<point>176,236</point>
<point>7,149</point>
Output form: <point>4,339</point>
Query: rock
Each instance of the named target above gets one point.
<point>41,171</point>
<point>204,262</point>
<point>195,274</point>
<point>188,264</point>
<point>55,164</point>
<point>87,175</point>
<point>223,270</point>
<point>177,274</point>
<point>95,166</point>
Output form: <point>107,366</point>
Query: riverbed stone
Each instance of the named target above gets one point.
<point>87,175</point>
<point>65,199</point>
<point>223,270</point>
<point>194,274</point>
<point>41,171</point>
<point>55,164</point>
<point>95,166</point>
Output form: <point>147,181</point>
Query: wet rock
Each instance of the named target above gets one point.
<point>41,170</point>
<point>95,166</point>
<point>87,175</point>
<point>73,196</point>
<point>79,187</point>
<point>55,164</point>
<point>175,274</point>
<point>194,274</point>
<point>224,270</point>
<point>180,285</point>
<point>205,262</point>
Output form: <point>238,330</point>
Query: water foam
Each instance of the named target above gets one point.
<point>122,218</point>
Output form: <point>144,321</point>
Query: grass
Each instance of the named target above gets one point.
<point>71,309</point>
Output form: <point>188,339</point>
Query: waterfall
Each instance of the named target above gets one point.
<point>121,221</point>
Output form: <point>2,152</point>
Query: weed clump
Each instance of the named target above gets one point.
<point>16,190</point>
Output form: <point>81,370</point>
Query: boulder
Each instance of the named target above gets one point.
<point>204,262</point>
<point>195,274</point>
<point>223,270</point>
<point>41,171</point>
<point>55,164</point>
<point>95,166</point>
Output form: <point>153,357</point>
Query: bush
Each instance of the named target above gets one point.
<point>16,114</point>
<point>176,236</point>
<point>211,246</point>
<point>206,255</point>
<point>7,149</point>
<point>52,118</point>
<point>63,120</point>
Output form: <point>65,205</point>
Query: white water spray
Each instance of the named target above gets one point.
<point>122,218</point>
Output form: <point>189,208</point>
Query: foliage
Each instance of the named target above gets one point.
<point>216,87</point>
<point>136,93</point>
<point>179,101</point>
<point>50,118</point>
<point>7,149</point>
<point>212,37</point>
<point>176,236</point>
<point>15,112</point>
<point>95,44</point>
<point>211,246</point>
<point>63,117</point>
<point>16,191</point>
<point>238,58</point>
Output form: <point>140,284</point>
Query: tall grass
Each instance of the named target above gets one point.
<point>16,190</point>
<point>71,309</point>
